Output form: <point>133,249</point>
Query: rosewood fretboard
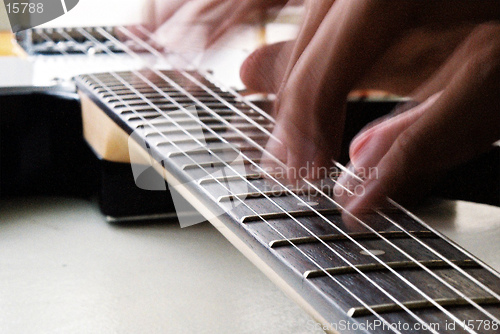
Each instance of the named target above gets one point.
<point>211,142</point>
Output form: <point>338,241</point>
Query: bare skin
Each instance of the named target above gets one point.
<point>347,44</point>
<point>200,23</point>
<point>350,48</point>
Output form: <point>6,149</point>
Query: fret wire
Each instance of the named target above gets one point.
<point>213,164</point>
<point>421,304</point>
<point>214,127</point>
<point>411,215</point>
<point>429,271</point>
<point>413,286</point>
<point>296,214</point>
<point>216,139</point>
<point>260,194</point>
<point>314,262</point>
<point>453,265</point>
<point>356,235</point>
<point>464,273</point>
<point>214,150</point>
<point>340,270</point>
<point>254,176</point>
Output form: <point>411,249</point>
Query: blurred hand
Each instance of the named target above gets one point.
<point>200,23</point>
<point>435,49</point>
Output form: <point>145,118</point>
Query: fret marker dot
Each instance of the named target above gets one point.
<point>307,203</point>
<point>376,252</point>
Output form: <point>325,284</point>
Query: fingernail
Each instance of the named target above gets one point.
<point>369,155</point>
<point>358,144</point>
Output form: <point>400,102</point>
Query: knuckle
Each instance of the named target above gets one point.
<point>484,33</point>
<point>484,66</point>
<point>482,37</point>
<point>484,42</point>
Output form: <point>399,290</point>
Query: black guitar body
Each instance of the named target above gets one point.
<point>42,150</point>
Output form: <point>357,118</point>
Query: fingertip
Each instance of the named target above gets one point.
<point>358,144</point>
<point>367,198</point>
<point>251,72</point>
<point>262,70</point>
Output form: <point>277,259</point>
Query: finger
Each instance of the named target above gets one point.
<point>187,29</point>
<point>240,13</point>
<point>264,69</point>
<point>378,138</point>
<point>413,59</point>
<point>477,39</point>
<point>324,75</point>
<point>371,145</point>
<point>165,10</point>
<point>236,15</point>
<point>315,13</point>
<point>463,122</point>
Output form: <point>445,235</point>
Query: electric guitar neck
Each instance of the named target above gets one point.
<point>207,142</point>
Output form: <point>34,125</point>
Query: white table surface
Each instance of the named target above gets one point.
<point>64,269</point>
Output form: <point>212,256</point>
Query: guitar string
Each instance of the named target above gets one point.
<point>411,284</point>
<point>463,272</point>
<point>453,265</point>
<point>308,257</point>
<point>187,74</point>
<point>449,286</point>
<point>278,232</point>
<point>463,251</point>
<point>151,84</point>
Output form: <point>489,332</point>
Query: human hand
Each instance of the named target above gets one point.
<point>342,45</point>
<point>200,23</point>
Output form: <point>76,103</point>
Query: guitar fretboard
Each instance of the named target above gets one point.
<point>392,268</point>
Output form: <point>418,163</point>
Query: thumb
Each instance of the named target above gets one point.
<point>264,69</point>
